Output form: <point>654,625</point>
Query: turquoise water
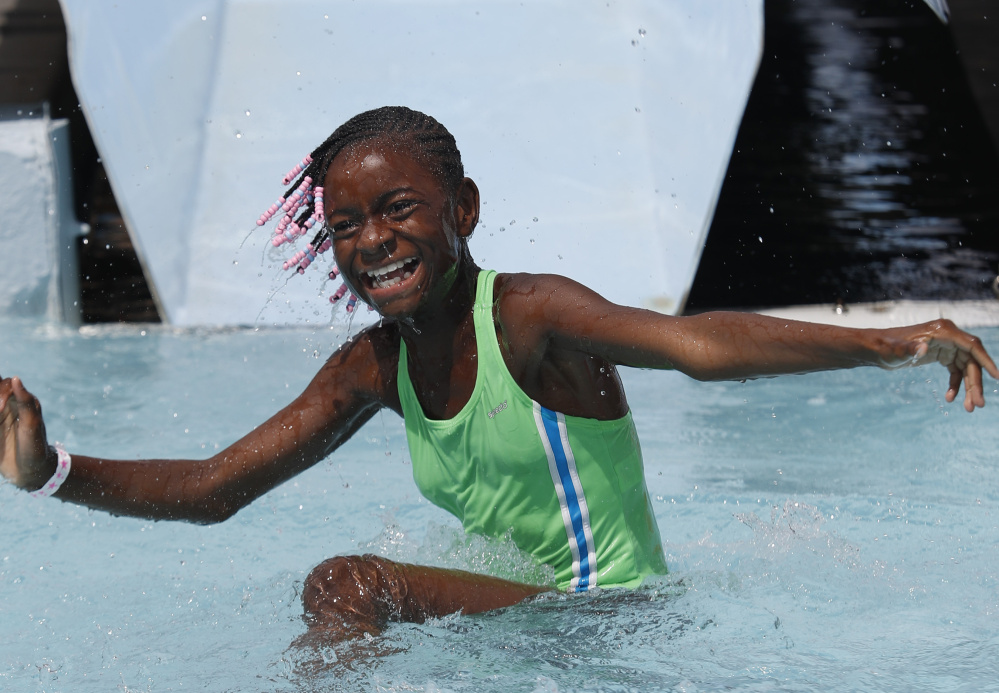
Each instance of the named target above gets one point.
<point>837,531</point>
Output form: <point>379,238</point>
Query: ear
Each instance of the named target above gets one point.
<point>466,208</point>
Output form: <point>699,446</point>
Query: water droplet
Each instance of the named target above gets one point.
<point>239,135</point>
<point>532,241</point>
<point>641,32</point>
<point>634,42</point>
<point>760,238</point>
<point>247,111</point>
<point>204,18</point>
<point>512,222</point>
<point>771,209</point>
<point>502,229</point>
<point>235,262</point>
<point>535,218</point>
<point>603,393</point>
<point>888,143</point>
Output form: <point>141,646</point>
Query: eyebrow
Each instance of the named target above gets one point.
<point>379,201</point>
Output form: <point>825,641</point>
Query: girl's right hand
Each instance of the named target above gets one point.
<point>24,458</point>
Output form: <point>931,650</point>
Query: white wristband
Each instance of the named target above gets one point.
<point>61,472</point>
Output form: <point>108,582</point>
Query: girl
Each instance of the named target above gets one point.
<point>514,412</point>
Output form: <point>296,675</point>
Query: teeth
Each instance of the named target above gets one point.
<point>378,276</point>
<point>375,273</point>
<point>386,284</point>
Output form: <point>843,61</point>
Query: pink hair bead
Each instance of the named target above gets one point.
<point>319,202</point>
<point>270,212</point>
<point>340,293</point>
<point>296,196</point>
<point>295,259</point>
<point>335,272</point>
<point>300,197</point>
<point>297,169</point>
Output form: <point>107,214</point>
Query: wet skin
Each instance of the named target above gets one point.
<point>560,341</point>
<point>558,338</point>
<point>386,208</point>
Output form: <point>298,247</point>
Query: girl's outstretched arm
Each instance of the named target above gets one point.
<point>734,346</point>
<point>345,393</point>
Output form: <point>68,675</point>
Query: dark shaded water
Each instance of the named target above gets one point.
<point>862,170</point>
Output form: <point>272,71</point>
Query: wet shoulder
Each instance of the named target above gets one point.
<point>525,311</point>
<point>534,301</point>
<point>368,362</point>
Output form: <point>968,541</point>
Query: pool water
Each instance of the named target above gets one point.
<point>836,531</point>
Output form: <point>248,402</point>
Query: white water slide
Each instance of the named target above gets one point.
<point>598,132</point>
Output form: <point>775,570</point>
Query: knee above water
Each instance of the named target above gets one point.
<point>331,574</point>
<point>343,580</point>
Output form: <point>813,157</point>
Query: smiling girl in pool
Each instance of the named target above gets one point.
<point>515,416</point>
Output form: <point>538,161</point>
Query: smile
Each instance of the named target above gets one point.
<point>392,273</point>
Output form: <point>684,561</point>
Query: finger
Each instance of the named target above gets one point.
<point>7,397</point>
<point>974,394</point>
<point>21,394</point>
<point>29,409</point>
<point>973,346</point>
<point>954,385</point>
<point>983,358</point>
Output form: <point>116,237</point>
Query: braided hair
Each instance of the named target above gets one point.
<point>426,139</point>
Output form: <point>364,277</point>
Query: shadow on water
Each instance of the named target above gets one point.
<point>862,170</point>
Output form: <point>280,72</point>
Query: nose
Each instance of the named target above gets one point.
<point>376,238</point>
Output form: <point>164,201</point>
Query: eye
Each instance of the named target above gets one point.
<point>343,228</point>
<point>400,209</point>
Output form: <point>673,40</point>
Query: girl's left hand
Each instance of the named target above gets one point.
<point>941,341</point>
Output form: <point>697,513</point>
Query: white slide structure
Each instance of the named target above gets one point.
<point>38,227</point>
<point>598,132</point>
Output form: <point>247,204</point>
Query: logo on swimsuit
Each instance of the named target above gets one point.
<point>497,410</point>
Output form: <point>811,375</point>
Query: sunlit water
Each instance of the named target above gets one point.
<point>837,531</point>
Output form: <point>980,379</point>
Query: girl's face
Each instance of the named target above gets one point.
<point>393,229</point>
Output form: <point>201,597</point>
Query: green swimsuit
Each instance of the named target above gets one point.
<point>572,490</point>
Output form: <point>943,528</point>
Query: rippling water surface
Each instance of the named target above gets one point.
<point>863,170</point>
<point>838,532</point>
